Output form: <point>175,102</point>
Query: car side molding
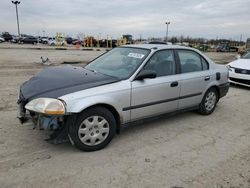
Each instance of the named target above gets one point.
<point>159,102</point>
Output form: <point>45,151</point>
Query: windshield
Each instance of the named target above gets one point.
<point>119,62</point>
<point>246,56</point>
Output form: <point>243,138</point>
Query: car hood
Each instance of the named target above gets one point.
<point>241,63</point>
<point>61,80</point>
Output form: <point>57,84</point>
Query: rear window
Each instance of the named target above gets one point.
<point>191,61</point>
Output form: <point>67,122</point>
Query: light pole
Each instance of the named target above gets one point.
<point>167,23</point>
<point>17,3</point>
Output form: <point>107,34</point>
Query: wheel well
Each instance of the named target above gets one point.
<point>218,91</point>
<point>113,111</point>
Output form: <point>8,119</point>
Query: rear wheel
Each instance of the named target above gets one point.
<point>208,102</point>
<point>93,130</point>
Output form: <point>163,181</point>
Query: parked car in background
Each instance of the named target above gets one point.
<point>56,42</point>
<point>6,36</point>
<point>52,42</point>
<point>1,39</point>
<point>44,40</point>
<point>130,83</point>
<point>14,39</point>
<point>69,40</point>
<point>239,70</point>
<point>225,47</point>
<point>29,40</point>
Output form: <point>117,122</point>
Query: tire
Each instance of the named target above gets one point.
<point>93,130</point>
<point>208,102</point>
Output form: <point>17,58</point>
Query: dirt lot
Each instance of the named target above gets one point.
<point>187,150</point>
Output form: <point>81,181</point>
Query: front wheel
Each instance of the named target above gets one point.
<point>208,102</point>
<point>93,130</point>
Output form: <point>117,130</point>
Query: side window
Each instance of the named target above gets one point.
<point>162,62</point>
<point>204,64</point>
<point>190,61</point>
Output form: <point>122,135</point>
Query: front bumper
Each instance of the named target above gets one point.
<point>57,126</point>
<point>237,78</point>
<point>42,121</point>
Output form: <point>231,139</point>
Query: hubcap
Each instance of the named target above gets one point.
<point>93,130</point>
<point>210,101</point>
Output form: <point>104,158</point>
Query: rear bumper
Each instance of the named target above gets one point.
<point>223,89</point>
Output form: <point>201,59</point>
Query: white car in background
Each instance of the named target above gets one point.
<point>57,42</point>
<point>239,70</point>
<point>52,41</point>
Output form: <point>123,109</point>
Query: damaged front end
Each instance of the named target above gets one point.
<point>39,97</point>
<point>46,115</point>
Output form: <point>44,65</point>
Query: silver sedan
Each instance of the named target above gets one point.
<point>89,105</point>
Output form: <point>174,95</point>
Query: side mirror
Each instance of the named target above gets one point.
<point>238,56</point>
<point>145,74</point>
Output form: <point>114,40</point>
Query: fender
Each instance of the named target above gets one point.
<point>215,82</point>
<point>116,95</point>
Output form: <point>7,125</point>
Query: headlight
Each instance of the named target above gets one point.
<point>46,106</point>
<point>229,68</point>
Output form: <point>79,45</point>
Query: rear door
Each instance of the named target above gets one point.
<point>195,77</point>
<point>159,95</point>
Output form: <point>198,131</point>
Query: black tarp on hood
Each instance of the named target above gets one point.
<point>61,80</point>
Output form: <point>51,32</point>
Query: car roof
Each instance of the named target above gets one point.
<point>157,46</point>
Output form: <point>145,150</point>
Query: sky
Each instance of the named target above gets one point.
<point>227,19</point>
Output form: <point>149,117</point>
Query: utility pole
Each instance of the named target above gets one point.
<point>17,3</point>
<point>167,23</point>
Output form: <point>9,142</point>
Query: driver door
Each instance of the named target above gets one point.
<point>159,95</point>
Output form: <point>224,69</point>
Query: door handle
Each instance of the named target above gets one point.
<point>207,78</point>
<point>174,84</point>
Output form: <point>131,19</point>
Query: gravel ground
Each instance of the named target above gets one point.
<point>186,150</point>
